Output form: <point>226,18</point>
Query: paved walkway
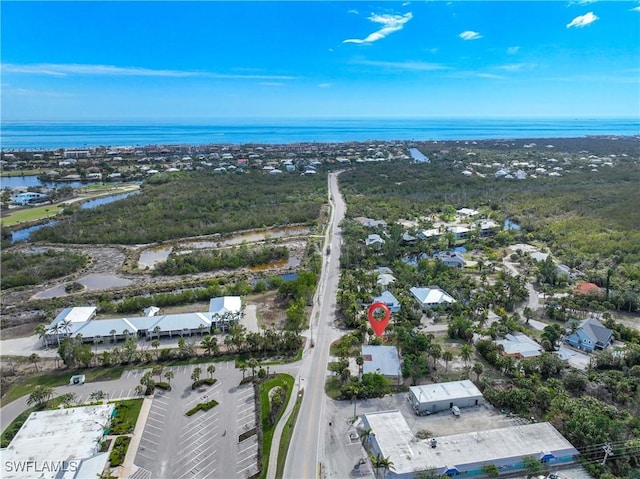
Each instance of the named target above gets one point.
<point>128,467</point>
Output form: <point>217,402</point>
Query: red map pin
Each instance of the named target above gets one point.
<point>377,323</point>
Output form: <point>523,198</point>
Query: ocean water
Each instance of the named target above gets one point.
<point>82,134</point>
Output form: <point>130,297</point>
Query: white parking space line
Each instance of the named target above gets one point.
<point>149,450</point>
<point>149,440</point>
<point>147,457</point>
<point>248,467</point>
<point>199,441</point>
<point>248,457</point>
<point>209,474</point>
<point>247,448</point>
<point>153,433</point>
<point>251,406</point>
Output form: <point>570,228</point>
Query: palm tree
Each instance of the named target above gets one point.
<point>446,357</point>
<point>377,462</point>
<point>435,351</point>
<point>96,340</point>
<point>253,364</point>
<point>365,435</point>
<point>386,464</point>
<point>34,358</point>
<point>209,344</point>
<point>195,375</point>
<point>243,368</point>
<point>156,331</point>
<point>169,376</point>
<point>156,344</point>
<point>56,328</point>
<point>113,335</point>
<point>41,331</point>
<point>466,352</point>
<point>211,369</point>
<point>40,396</point>
<point>478,369</point>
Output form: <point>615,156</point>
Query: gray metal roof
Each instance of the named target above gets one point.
<point>445,391</point>
<point>381,359</point>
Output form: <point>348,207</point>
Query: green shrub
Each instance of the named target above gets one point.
<point>204,406</point>
<point>119,451</point>
<point>200,382</point>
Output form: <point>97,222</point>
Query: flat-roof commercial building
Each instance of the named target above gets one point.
<point>463,453</point>
<point>58,444</point>
<point>432,398</point>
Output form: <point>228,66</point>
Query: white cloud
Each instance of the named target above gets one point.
<point>513,50</point>
<point>325,85</point>
<point>470,35</point>
<point>42,93</point>
<point>353,11</point>
<point>390,24</point>
<point>407,65</point>
<point>492,76</point>
<point>635,9</point>
<point>582,20</point>
<point>514,67</point>
<point>63,70</point>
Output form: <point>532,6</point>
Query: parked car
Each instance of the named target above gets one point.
<point>455,410</point>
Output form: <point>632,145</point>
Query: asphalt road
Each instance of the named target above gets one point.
<point>306,450</point>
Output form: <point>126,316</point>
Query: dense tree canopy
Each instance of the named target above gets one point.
<point>192,204</point>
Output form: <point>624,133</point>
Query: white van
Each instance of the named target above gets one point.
<point>455,410</point>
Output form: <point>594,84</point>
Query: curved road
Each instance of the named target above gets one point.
<point>306,450</point>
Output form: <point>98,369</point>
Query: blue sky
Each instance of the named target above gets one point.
<point>208,59</point>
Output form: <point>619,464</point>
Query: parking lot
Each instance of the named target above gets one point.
<point>343,449</point>
<point>202,446</point>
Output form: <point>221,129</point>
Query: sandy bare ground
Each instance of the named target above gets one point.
<point>24,308</point>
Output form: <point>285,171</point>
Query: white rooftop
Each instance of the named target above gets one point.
<point>77,314</point>
<point>431,295</point>
<point>225,304</point>
<point>518,343</point>
<point>445,391</point>
<point>381,359</point>
<point>497,446</point>
<point>51,437</point>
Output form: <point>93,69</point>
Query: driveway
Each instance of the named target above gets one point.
<point>576,359</point>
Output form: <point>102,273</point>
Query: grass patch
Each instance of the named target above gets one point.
<point>332,387</point>
<point>119,451</point>
<point>203,406</point>
<point>124,422</point>
<point>26,385</point>
<point>28,215</point>
<point>12,429</point>
<point>287,432</point>
<point>281,380</point>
